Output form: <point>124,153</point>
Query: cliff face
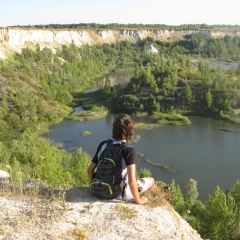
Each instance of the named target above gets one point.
<point>13,39</point>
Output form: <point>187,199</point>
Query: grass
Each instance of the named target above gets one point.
<point>144,121</point>
<point>3,228</point>
<point>156,197</point>
<point>86,134</point>
<point>89,115</point>
<point>140,154</point>
<point>126,212</point>
<point>136,138</point>
<point>163,167</point>
<point>31,189</point>
<point>77,234</point>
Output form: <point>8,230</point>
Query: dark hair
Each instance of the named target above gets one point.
<point>123,128</point>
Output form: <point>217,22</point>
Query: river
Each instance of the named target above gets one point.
<point>200,151</point>
<point>223,64</point>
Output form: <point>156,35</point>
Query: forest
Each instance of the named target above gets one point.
<point>39,88</point>
<point>132,26</point>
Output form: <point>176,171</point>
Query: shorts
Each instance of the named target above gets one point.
<point>143,185</point>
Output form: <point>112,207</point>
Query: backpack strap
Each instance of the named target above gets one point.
<point>119,142</point>
<point>102,149</point>
<point>110,141</point>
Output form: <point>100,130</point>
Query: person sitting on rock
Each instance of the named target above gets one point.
<point>122,133</point>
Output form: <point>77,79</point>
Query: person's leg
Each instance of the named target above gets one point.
<point>143,185</point>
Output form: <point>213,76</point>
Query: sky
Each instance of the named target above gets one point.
<point>169,12</point>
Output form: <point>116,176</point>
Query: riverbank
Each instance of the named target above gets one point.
<point>89,115</point>
<point>143,121</point>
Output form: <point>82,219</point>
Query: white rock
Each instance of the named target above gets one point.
<point>13,39</point>
<point>4,174</point>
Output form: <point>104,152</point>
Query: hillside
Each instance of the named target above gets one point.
<point>14,39</point>
<point>81,216</point>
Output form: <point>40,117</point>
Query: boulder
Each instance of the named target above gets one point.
<point>4,174</point>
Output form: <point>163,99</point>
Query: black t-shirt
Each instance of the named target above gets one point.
<point>129,153</point>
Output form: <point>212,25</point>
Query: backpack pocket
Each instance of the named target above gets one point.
<point>105,190</point>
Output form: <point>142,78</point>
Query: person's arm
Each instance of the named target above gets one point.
<point>94,162</point>
<point>131,170</point>
<point>90,171</point>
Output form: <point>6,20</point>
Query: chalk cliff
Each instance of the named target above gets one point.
<point>14,39</point>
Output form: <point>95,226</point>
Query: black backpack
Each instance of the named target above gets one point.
<point>107,178</point>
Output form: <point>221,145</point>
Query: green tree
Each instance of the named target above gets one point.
<point>78,167</point>
<point>177,199</point>
<point>144,172</point>
<point>190,192</point>
<point>235,191</point>
<point>238,69</point>
<point>107,86</point>
<point>170,82</point>
<point>187,95</point>
<point>197,217</point>
<point>189,62</point>
<point>208,99</point>
<point>4,105</point>
<point>204,69</point>
<point>221,216</point>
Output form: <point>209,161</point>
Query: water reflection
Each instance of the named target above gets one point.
<point>116,78</point>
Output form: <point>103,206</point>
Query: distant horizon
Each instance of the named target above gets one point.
<point>174,25</point>
<point>222,24</point>
<point>171,12</point>
<point>185,24</point>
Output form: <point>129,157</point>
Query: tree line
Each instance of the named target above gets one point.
<point>179,79</point>
<point>133,26</point>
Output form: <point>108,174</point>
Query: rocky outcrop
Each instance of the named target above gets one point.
<point>14,39</point>
<point>152,49</point>
<point>81,216</point>
<point>4,174</point>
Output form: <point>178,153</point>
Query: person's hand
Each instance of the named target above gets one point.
<point>142,200</point>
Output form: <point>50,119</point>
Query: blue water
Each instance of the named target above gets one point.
<point>199,151</point>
